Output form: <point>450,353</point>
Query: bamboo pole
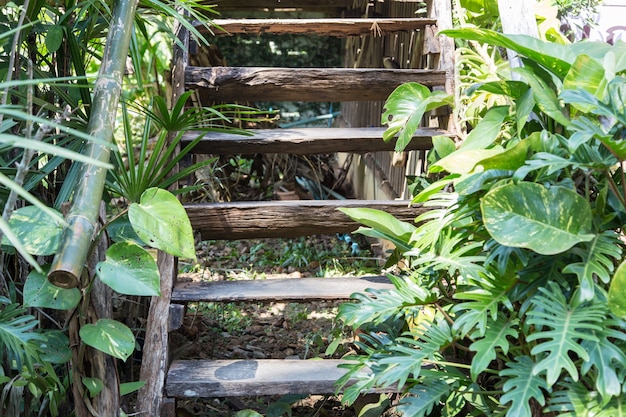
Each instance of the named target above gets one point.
<point>82,218</point>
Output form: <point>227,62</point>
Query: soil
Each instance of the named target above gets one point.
<point>266,331</point>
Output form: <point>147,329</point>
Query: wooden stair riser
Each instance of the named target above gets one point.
<point>285,219</point>
<point>280,289</point>
<point>324,27</point>
<point>239,84</point>
<point>307,141</point>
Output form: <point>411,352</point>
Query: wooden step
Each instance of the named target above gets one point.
<point>236,378</point>
<point>236,84</point>
<point>307,141</point>
<point>278,289</point>
<point>324,27</point>
<point>263,219</point>
<point>286,5</point>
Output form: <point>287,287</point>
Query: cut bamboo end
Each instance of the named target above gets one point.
<point>63,279</point>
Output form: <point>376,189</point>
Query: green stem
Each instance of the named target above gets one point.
<point>82,219</point>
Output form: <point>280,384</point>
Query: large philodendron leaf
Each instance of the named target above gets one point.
<point>130,269</point>
<point>109,336</point>
<point>161,222</point>
<point>529,215</point>
<point>405,108</point>
<point>617,292</point>
<point>487,130</point>
<point>486,347</point>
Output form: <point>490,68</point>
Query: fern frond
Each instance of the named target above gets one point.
<point>522,386</point>
<point>444,213</point>
<point>378,306</point>
<point>422,398</point>
<point>452,256</point>
<point>16,334</point>
<point>407,355</point>
<point>608,359</point>
<point>574,399</point>
<point>597,259</point>
<point>484,302</point>
<point>495,339</point>
<point>560,328</point>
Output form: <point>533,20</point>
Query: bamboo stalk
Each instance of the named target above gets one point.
<point>79,233</point>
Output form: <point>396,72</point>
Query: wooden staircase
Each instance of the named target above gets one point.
<point>245,220</point>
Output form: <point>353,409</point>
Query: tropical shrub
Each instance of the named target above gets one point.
<point>512,300</point>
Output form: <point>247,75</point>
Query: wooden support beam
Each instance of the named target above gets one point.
<point>261,219</point>
<point>280,290</point>
<point>322,27</point>
<point>237,84</point>
<point>306,141</point>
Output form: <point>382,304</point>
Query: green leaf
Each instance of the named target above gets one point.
<point>511,159</point>
<point>405,108</point>
<point>248,413</point>
<point>130,387</point>
<point>39,232</point>
<point>381,221</point>
<point>529,215</point>
<point>554,57</point>
<point>559,329</point>
<point>523,385</point>
<point>424,397</point>
<point>586,74</point>
<point>130,269</point>
<point>597,262</point>
<point>545,97</point>
<point>482,303</point>
<point>463,161</point>
<point>278,409</point>
<point>443,146</point>
<point>524,108</point>
<point>617,292</point>
<point>376,409</point>
<point>109,336</point>
<point>510,88</point>
<point>485,347</point>
<point>93,385</point>
<point>161,221</point>
<point>607,358</point>
<point>120,230</point>
<point>39,292</point>
<point>54,38</point>
<point>487,130</point>
<point>54,346</point>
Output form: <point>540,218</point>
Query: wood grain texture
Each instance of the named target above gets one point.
<point>263,219</point>
<point>326,27</point>
<point>306,141</point>
<point>282,289</point>
<point>310,5</point>
<point>233,378</point>
<point>237,84</point>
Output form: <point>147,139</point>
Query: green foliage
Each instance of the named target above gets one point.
<point>109,336</point>
<point>513,288</point>
<point>130,269</point>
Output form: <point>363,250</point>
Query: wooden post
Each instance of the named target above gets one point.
<point>518,18</point>
<point>155,360</point>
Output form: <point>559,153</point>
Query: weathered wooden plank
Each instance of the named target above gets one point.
<point>237,84</point>
<point>311,5</point>
<point>234,378</point>
<point>280,289</point>
<point>324,27</point>
<point>307,141</point>
<point>261,219</point>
